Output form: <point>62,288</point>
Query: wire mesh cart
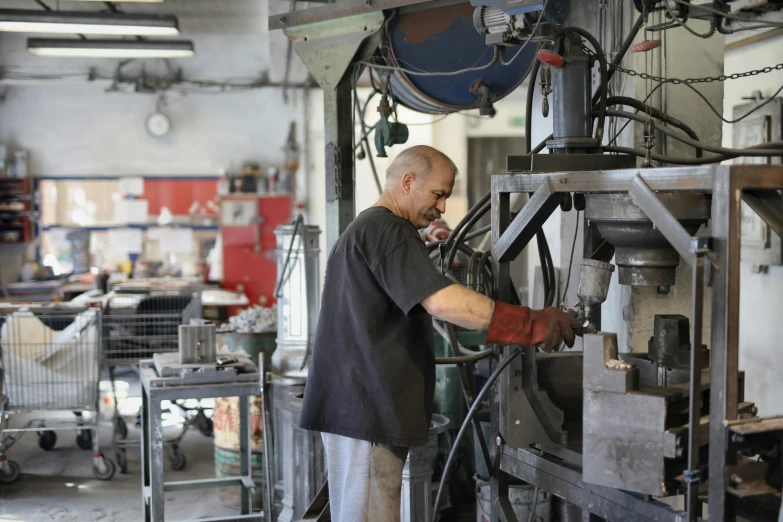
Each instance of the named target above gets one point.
<point>50,360</point>
<point>142,319</point>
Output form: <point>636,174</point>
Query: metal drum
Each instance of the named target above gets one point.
<point>444,39</point>
<point>521,497</point>
<point>226,419</point>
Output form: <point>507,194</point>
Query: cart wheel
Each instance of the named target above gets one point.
<point>122,461</point>
<point>204,424</point>
<point>105,470</point>
<point>120,429</point>
<point>47,439</point>
<point>176,457</point>
<point>84,439</point>
<point>13,474</point>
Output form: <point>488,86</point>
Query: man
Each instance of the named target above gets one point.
<point>372,376</point>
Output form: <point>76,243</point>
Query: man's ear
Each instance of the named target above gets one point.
<point>408,180</point>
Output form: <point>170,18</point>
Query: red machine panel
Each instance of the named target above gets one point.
<point>247,226</point>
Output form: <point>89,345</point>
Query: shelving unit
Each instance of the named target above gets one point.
<point>16,211</point>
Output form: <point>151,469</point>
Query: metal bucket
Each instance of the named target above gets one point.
<point>253,344</point>
<point>226,421</point>
<point>521,496</point>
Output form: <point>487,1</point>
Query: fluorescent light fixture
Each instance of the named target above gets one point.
<point>68,22</point>
<point>111,48</point>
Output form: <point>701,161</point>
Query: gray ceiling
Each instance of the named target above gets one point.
<point>230,36</point>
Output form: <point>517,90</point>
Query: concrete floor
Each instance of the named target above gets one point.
<point>59,484</point>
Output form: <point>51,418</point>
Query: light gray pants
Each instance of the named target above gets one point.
<point>365,479</point>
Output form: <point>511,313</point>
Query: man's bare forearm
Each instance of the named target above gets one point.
<point>461,306</point>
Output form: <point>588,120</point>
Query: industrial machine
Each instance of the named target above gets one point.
<point>610,434</point>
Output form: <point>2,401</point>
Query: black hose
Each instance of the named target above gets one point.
<point>473,409</point>
<point>484,262</point>
<point>655,113</point>
<point>472,270</point>
<point>540,239</point>
<point>551,271</point>
<point>466,218</point>
<point>538,148</point>
<point>464,230</point>
<point>750,151</point>
<point>476,233</point>
<point>604,68</point>
<point>531,90</point>
<point>680,161</point>
<point>618,58</point>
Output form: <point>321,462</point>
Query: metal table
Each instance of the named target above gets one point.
<point>157,389</point>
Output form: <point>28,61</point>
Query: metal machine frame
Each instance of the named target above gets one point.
<point>556,469</point>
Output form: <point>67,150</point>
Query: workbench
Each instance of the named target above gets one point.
<point>156,389</point>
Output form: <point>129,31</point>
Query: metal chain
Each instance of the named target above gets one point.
<point>677,81</point>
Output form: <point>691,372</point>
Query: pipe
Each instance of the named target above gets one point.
<point>619,56</point>
<point>471,413</point>
<point>604,67</point>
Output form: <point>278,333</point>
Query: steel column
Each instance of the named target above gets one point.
<point>498,481</point>
<point>340,205</point>
<point>726,203</point>
<point>694,419</point>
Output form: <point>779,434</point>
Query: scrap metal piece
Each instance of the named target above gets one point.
<point>197,343</point>
<point>600,350</point>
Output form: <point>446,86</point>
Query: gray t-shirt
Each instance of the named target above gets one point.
<point>372,374</point>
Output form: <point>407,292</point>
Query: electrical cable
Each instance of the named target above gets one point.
<point>529,38</point>
<point>604,69</point>
<point>571,259</point>
<point>750,151</point>
<point>655,113</point>
<point>683,161</point>
<point>533,506</point>
<point>730,16</point>
<point>682,23</point>
<point>540,237</point>
<point>471,413</point>
<point>551,271</point>
<point>546,268</point>
<point>719,115</point>
<point>618,58</point>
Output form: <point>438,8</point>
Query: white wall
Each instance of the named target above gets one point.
<point>760,304</point>
<point>81,130</point>
<point>78,129</point>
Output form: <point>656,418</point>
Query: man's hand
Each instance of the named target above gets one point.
<point>520,325</point>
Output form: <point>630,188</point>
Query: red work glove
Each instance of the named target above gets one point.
<point>520,325</point>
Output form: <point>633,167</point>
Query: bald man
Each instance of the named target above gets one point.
<point>372,376</point>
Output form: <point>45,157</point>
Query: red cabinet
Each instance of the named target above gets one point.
<point>247,227</point>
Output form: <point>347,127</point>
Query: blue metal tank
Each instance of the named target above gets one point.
<point>444,39</point>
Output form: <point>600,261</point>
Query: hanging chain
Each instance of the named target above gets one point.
<point>708,79</point>
<point>677,81</point>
